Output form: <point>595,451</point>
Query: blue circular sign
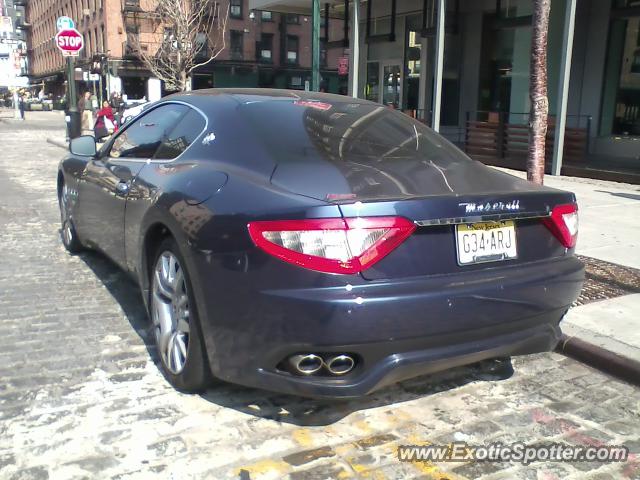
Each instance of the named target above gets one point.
<point>65,23</point>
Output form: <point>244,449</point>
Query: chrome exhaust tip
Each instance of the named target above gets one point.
<point>306,364</point>
<point>340,364</point>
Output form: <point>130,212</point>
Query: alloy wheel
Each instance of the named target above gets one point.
<point>170,312</point>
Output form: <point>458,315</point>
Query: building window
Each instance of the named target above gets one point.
<point>266,16</point>
<point>202,46</point>
<point>235,9</point>
<point>266,48</point>
<point>296,82</point>
<point>293,19</point>
<point>292,49</point>
<point>132,28</point>
<point>237,44</point>
<point>412,66</point>
<point>381,27</point>
<point>621,98</point>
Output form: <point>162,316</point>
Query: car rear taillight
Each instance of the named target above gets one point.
<point>332,245</point>
<point>563,223</point>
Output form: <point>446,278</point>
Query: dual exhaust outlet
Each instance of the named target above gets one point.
<point>310,363</point>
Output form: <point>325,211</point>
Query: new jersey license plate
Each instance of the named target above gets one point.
<point>486,242</point>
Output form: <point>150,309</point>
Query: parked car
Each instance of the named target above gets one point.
<point>132,108</point>
<point>37,105</point>
<point>319,245</point>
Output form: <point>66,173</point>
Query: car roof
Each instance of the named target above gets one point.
<point>242,95</point>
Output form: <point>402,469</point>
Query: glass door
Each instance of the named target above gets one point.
<point>392,84</point>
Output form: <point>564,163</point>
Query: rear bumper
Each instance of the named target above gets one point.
<point>392,367</point>
<point>397,330</point>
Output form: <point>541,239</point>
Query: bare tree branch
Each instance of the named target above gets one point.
<point>186,34</point>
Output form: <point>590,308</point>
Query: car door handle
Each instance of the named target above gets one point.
<point>122,188</point>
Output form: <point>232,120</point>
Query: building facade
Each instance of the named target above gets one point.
<point>263,49</point>
<point>485,81</point>
<point>13,51</point>
<point>481,97</point>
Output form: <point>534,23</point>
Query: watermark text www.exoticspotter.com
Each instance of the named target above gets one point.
<point>514,452</point>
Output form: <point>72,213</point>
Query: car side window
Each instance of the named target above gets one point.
<point>142,138</point>
<point>183,135</point>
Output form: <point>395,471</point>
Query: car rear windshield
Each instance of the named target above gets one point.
<point>303,130</point>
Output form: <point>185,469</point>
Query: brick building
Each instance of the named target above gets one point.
<point>263,49</point>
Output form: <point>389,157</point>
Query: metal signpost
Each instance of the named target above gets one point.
<point>70,42</point>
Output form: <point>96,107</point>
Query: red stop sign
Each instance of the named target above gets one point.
<point>69,41</point>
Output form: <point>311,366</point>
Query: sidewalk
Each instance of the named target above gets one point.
<point>609,231</point>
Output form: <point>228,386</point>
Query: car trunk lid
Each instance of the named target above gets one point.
<point>436,198</point>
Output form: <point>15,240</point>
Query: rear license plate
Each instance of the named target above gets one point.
<point>486,242</point>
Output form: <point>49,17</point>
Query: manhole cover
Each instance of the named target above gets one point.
<point>605,280</point>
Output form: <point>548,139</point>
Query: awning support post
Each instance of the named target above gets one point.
<point>563,86</point>
<point>354,49</point>
<point>439,64</point>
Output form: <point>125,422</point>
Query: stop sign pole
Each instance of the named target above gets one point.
<point>70,42</point>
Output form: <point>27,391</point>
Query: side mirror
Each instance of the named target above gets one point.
<point>85,146</point>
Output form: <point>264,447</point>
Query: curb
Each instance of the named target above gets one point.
<point>599,358</point>
<point>58,143</point>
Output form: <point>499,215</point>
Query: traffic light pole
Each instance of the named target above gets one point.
<point>73,122</point>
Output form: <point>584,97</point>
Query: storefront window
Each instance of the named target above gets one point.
<point>621,96</point>
<point>413,54</point>
<point>504,74</point>
<point>514,8</point>
<point>391,86</point>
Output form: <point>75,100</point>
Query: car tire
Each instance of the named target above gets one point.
<point>174,321</point>
<point>68,233</point>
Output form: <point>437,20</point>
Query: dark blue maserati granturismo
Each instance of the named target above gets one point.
<point>317,244</point>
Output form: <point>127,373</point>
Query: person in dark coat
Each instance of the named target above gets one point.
<point>21,106</point>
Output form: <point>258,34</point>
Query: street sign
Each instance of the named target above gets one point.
<point>6,25</point>
<point>65,23</point>
<point>69,42</point>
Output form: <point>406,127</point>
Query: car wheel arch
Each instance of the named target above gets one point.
<point>156,232</point>
<point>152,238</point>
<point>61,181</point>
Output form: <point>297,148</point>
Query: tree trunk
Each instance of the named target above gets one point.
<point>183,81</point>
<point>538,92</point>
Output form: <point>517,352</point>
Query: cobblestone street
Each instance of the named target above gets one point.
<point>82,397</point>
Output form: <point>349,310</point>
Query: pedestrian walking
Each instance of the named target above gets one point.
<point>105,122</point>
<point>84,109</point>
<point>21,106</point>
<point>116,104</point>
